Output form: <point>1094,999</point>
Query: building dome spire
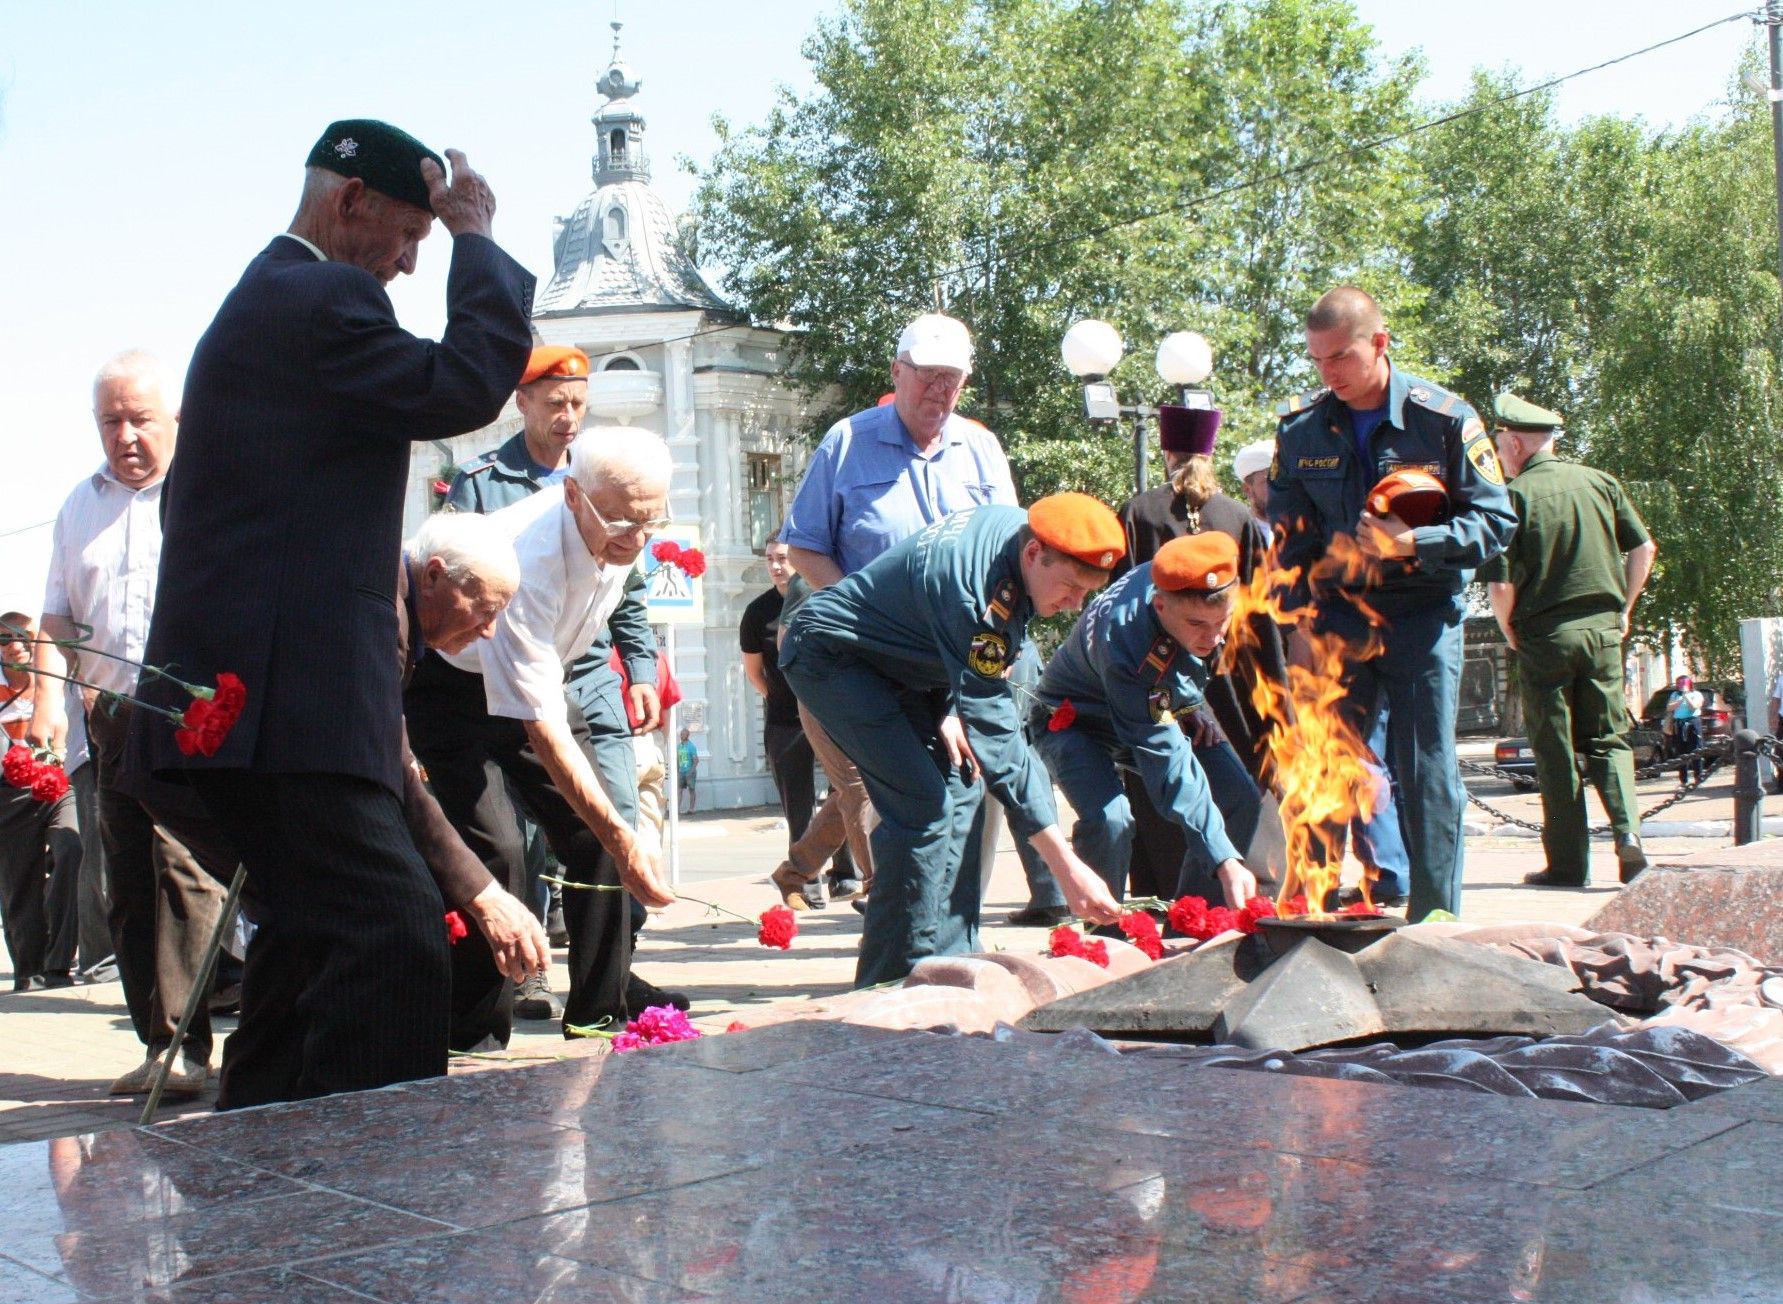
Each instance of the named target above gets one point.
<point>618,126</point>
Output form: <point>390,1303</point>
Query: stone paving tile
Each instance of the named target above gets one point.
<point>182,1246</point>
<point>1540,1142</point>
<point>1757,1100</point>
<point>470,1269</point>
<point>268,1286</point>
<point>22,1285</point>
<point>960,1072</point>
<point>100,1180</point>
<point>1738,1170</point>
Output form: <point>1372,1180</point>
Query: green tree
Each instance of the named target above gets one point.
<point>1032,162</point>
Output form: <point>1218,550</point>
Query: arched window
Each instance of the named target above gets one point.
<point>616,145</point>
<point>615,225</point>
<point>621,362</point>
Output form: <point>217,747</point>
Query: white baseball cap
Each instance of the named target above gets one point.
<point>1252,458</point>
<point>937,340</point>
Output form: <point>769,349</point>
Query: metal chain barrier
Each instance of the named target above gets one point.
<point>1713,756</point>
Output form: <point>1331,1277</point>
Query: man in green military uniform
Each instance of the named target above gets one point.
<point>1563,592</point>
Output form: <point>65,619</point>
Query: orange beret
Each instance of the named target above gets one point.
<point>1415,497</point>
<point>555,360</point>
<point>1198,563</point>
<point>1079,526</point>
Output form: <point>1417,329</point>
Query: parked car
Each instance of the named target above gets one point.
<point>1647,738</point>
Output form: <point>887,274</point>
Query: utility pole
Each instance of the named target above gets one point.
<point>1773,17</point>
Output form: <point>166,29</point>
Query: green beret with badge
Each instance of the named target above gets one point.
<point>387,159</point>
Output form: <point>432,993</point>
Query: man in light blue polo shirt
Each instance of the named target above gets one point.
<point>885,474</point>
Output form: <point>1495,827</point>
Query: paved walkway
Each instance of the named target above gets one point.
<point>62,1048</point>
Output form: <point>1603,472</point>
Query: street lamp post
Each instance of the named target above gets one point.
<point>1092,349</point>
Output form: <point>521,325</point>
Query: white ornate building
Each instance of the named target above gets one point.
<point>670,355</point>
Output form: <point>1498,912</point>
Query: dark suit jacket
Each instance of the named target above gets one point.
<point>455,869</point>
<point>283,508</point>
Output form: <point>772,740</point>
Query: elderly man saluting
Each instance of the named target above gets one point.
<point>283,517</point>
<point>904,663</point>
<point>500,709</point>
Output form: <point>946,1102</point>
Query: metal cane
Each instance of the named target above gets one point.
<point>200,992</point>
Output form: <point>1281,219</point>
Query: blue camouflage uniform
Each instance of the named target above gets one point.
<point>502,477</point>
<point>1318,485</point>
<point>1131,684</point>
<point>874,657</point>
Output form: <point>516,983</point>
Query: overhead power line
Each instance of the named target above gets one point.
<point>1289,172</point>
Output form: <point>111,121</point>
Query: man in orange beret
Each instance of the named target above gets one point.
<point>948,608</point>
<point>1112,698</point>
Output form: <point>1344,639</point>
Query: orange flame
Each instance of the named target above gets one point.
<point>1319,759</point>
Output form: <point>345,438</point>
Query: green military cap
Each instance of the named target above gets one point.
<point>1520,414</point>
<point>386,158</point>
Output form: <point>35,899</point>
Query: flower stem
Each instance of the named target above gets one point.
<point>713,906</point>
<point>112,694</point>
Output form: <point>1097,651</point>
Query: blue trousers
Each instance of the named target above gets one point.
<point>1086,764</point>
<point>925,897</point>
<point>1416,680</point>
<point>1379,840</point>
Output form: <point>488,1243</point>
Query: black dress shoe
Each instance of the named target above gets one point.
<point>1039,916</point>
<point>58,978</point>
<point>1352,896</point>
<point>641,995</point>
<point>1547,878</point>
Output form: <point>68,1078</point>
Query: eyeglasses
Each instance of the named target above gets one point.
<point>628,527</point>
<point>932,377</point>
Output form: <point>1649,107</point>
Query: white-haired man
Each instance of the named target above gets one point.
<point>499,709</point>
<point>457,575</point>
<point>104,557</point>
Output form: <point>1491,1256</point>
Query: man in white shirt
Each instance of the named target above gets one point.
<point>499,709</point>
<point>104,559</point>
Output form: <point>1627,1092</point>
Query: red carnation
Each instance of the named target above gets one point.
<point>456,929</point>
<point>1066,940</point>
<point>736,1025</point>
<point>441,488</point>
<point>668,552</point>
<point>1187,915</point>
<point>1223,919</point>
<point>1294,905</point>
<point>1063,718</point>
<point>207,721</point>
<point>778,927</point>
<point>1142,930</point>
<point>1258,907</point>
<point>49,785</point>
<point>19,767</point>
<point>692,562</point>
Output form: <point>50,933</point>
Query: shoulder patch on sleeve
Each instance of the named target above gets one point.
<point>988,654</point>
<point>1484,457</point>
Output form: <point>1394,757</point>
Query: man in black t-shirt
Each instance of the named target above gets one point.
<point>789,753</point>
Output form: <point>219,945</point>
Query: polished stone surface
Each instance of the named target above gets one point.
<point>824,1162</point>
<point>1734,898</point>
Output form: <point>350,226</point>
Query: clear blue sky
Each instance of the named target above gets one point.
<point>147,151</point>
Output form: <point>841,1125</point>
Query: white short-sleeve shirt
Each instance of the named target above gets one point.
<point>565,596</point>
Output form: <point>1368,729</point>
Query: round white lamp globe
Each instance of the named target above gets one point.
<point>1091,348</point>
<point>1185,358</point>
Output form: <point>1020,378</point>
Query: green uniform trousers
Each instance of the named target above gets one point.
<point>1571,683</point>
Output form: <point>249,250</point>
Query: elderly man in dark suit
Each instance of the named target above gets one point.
<point>283,516</point>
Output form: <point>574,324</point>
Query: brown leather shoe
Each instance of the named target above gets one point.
<point>796,891</point>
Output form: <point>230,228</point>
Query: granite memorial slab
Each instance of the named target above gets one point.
<point>1731,897</point>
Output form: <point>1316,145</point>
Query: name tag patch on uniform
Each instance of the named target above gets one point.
<point>1428,468</point>
<point>1002,602</point>
<point>988,654</point>
<point>1326,464</point>
<point>1485,460</point>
